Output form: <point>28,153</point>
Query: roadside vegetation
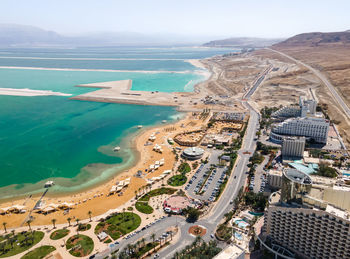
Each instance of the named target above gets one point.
<point>198,250</point>
<point>39,252</point>
<point>191,214</point>
<point>118,225</point>
<point>58,234</point>
<point>80,245</point>
<point>142,203</point>
<point>13,244</point>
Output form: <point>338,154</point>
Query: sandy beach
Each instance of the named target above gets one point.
<point>96,199</point>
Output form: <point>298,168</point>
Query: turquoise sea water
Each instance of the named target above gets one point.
<point>69,141</point>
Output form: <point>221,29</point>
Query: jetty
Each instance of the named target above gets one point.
<point>120,92</point>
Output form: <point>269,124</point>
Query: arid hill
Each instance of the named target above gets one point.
<point>316,39</point>
<point>242,42</point>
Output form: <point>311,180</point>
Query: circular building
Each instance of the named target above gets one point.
<point>175,204</point>
<point>193,153</point>
<point>295,184</point>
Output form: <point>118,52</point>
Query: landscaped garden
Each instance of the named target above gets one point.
<point>17,243</point>
<point>83,227</point>
<point>177,180</point>
<point>142,203</point>
<point>119,225</point>
<point>58,234</point>
<point>80,245</point>
<point>39,252</point>
<point>184,168</point>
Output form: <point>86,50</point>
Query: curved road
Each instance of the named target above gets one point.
<point>331,88</point>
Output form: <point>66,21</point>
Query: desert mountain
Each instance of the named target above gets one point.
<point>316,39</point>
<point>247,42</point>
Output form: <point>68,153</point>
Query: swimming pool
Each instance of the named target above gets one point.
<point>238,236</point>
<point>241,223</point>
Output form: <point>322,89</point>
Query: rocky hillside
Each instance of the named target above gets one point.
<point>316,39</point>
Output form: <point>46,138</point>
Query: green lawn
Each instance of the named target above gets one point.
<point>39,252</point>
<point>119,225</point>
<point>142,203</point>
<point>143,207</point>
<point>20,243</point>
<point>80,245</point>
<point>58,234</point>
<point>83,227</point>
<point>177,180</point>
<point>184,168</point>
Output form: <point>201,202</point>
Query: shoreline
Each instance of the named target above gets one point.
<point>82,197</point>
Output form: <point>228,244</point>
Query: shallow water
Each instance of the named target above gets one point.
<point>72,141</point>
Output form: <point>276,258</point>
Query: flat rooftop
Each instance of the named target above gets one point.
<point>297,176</point>
<point>230,252</point>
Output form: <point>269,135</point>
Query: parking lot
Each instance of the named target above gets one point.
<point>205,182</point>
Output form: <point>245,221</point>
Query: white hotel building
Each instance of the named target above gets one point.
<point>310,127</point>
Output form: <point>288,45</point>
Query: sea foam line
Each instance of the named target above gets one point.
<point>29,92</point>
<point>106,70</point>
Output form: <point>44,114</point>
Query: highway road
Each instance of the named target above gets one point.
<point>330,87</point>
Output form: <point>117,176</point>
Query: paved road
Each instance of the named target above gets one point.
<point>331,88</point>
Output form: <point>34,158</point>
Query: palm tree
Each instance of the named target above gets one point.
<point>123,213</point>
<point>143,241</point>
<point>197,240</point>
<point>54,222</point>
<point>176,255</point>
<point>153,236</point>
<point>77,220</point>
<point>129,246</point>
<point>138,244</point>
<point>90,213</point>
<point>136,194</point>
<point>28,223</point>
<point>69,219</point>
<point>4,224</point>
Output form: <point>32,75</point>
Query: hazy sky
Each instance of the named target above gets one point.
<point>263,18</point>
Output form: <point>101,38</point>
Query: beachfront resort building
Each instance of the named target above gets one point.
<point>305,107</point>
<point>293,147</point>
<point>310,221</point>
<point>313,128</point>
